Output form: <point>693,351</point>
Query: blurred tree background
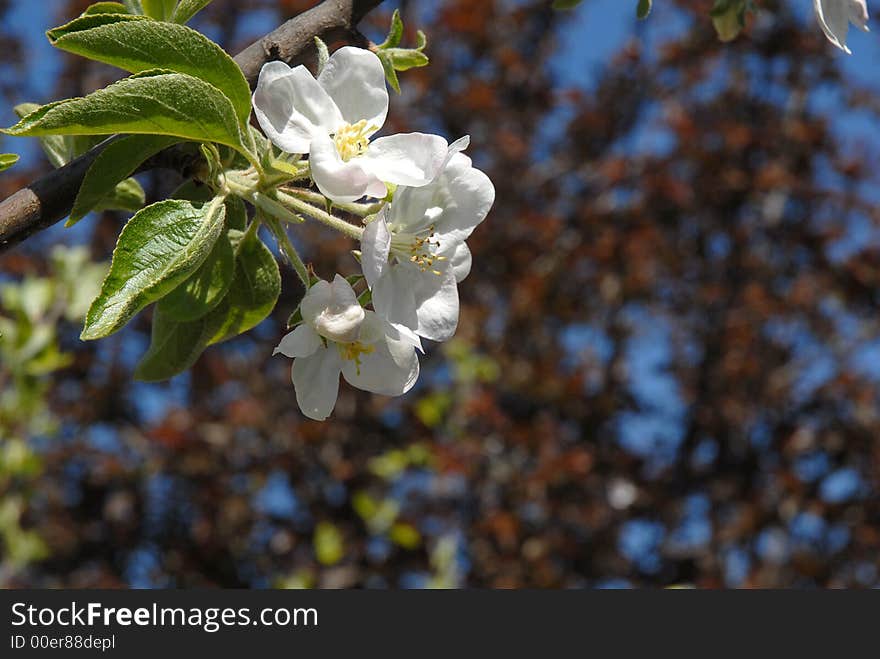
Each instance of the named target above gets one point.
<point>667,369</point>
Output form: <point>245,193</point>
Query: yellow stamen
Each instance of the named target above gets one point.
<point>351,140</point>
<point>420,249</point>
<point>353,351</point>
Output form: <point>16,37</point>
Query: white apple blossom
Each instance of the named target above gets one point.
<point>333,118</point>
<point>835,16</point>
<point>338,336</point>
<point>414,252</point>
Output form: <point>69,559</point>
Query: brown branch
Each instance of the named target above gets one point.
<point>49,199</point>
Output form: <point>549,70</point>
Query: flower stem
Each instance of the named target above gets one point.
<point>299,206</point>
<point>275,209</point>
<point>288,249</point>
<point>252,228</point>
<point>290,170</point>
<point>315,198</point>
<point>241,184</point>
<point>250,152</point>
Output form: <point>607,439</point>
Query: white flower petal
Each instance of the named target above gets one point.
<point>291,106</point>
<point>834,17</point>
<point>372,330</point>
<point>454,204</point>
<point>470,196</point>
<point>412,159</point>
<point>457,146</point>
<point>376,188</point>
<point>355,80</point>
<point>450,207</point>
<point>393,295</point>
<point>317,298</point>
<point>316,381</point>
<point>401,342</point>
<point>422,301</point>
<point>375,246</point>
<point>333,310</point>
<point>342,325</point>
<point>301,342</point>
<point>340,181</point>
<point>460,261</point>
<point>379,373</point>
<point>436,305</point>
<point>414,209</point>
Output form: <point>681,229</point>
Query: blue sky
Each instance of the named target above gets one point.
<point>599,27</point>
<point>595,31</point>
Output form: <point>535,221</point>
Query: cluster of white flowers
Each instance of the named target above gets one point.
<point>835,16</point>
<point>413,250</point>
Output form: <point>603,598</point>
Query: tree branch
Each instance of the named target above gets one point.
<point>49,199</point>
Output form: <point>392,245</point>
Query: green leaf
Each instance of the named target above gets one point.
<point>24,109</point>
<point>187,9</point>
<point>159,248</point>
<point>136,44</point>
<point>117,162</point>
<point>365,298</point>
<point>395,32</point>
<point>396,59</point>
<point>59,149</point>
<point>161,10</point>
<point>643,9</point>
<point>193,191</point>
<point>205,289</point>
<point>79,144</point>
<point>106,8</point>
<point>90,22</point>
<point>390,73</point>
<point>128,195</point>
<point>565,4</point>
<point>403,59</point>
<point>7,160</point>
<point>55,147</point>
<point>155,102</point>
<point>174,347</point>
<point>236,213</point>
<point>253,293</point>
<point>133,6</point>
<point>323,54</point>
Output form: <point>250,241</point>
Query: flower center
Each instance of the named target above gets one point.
<point>420,249</point>
<point>353,351</point>
<point>351,139</point>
